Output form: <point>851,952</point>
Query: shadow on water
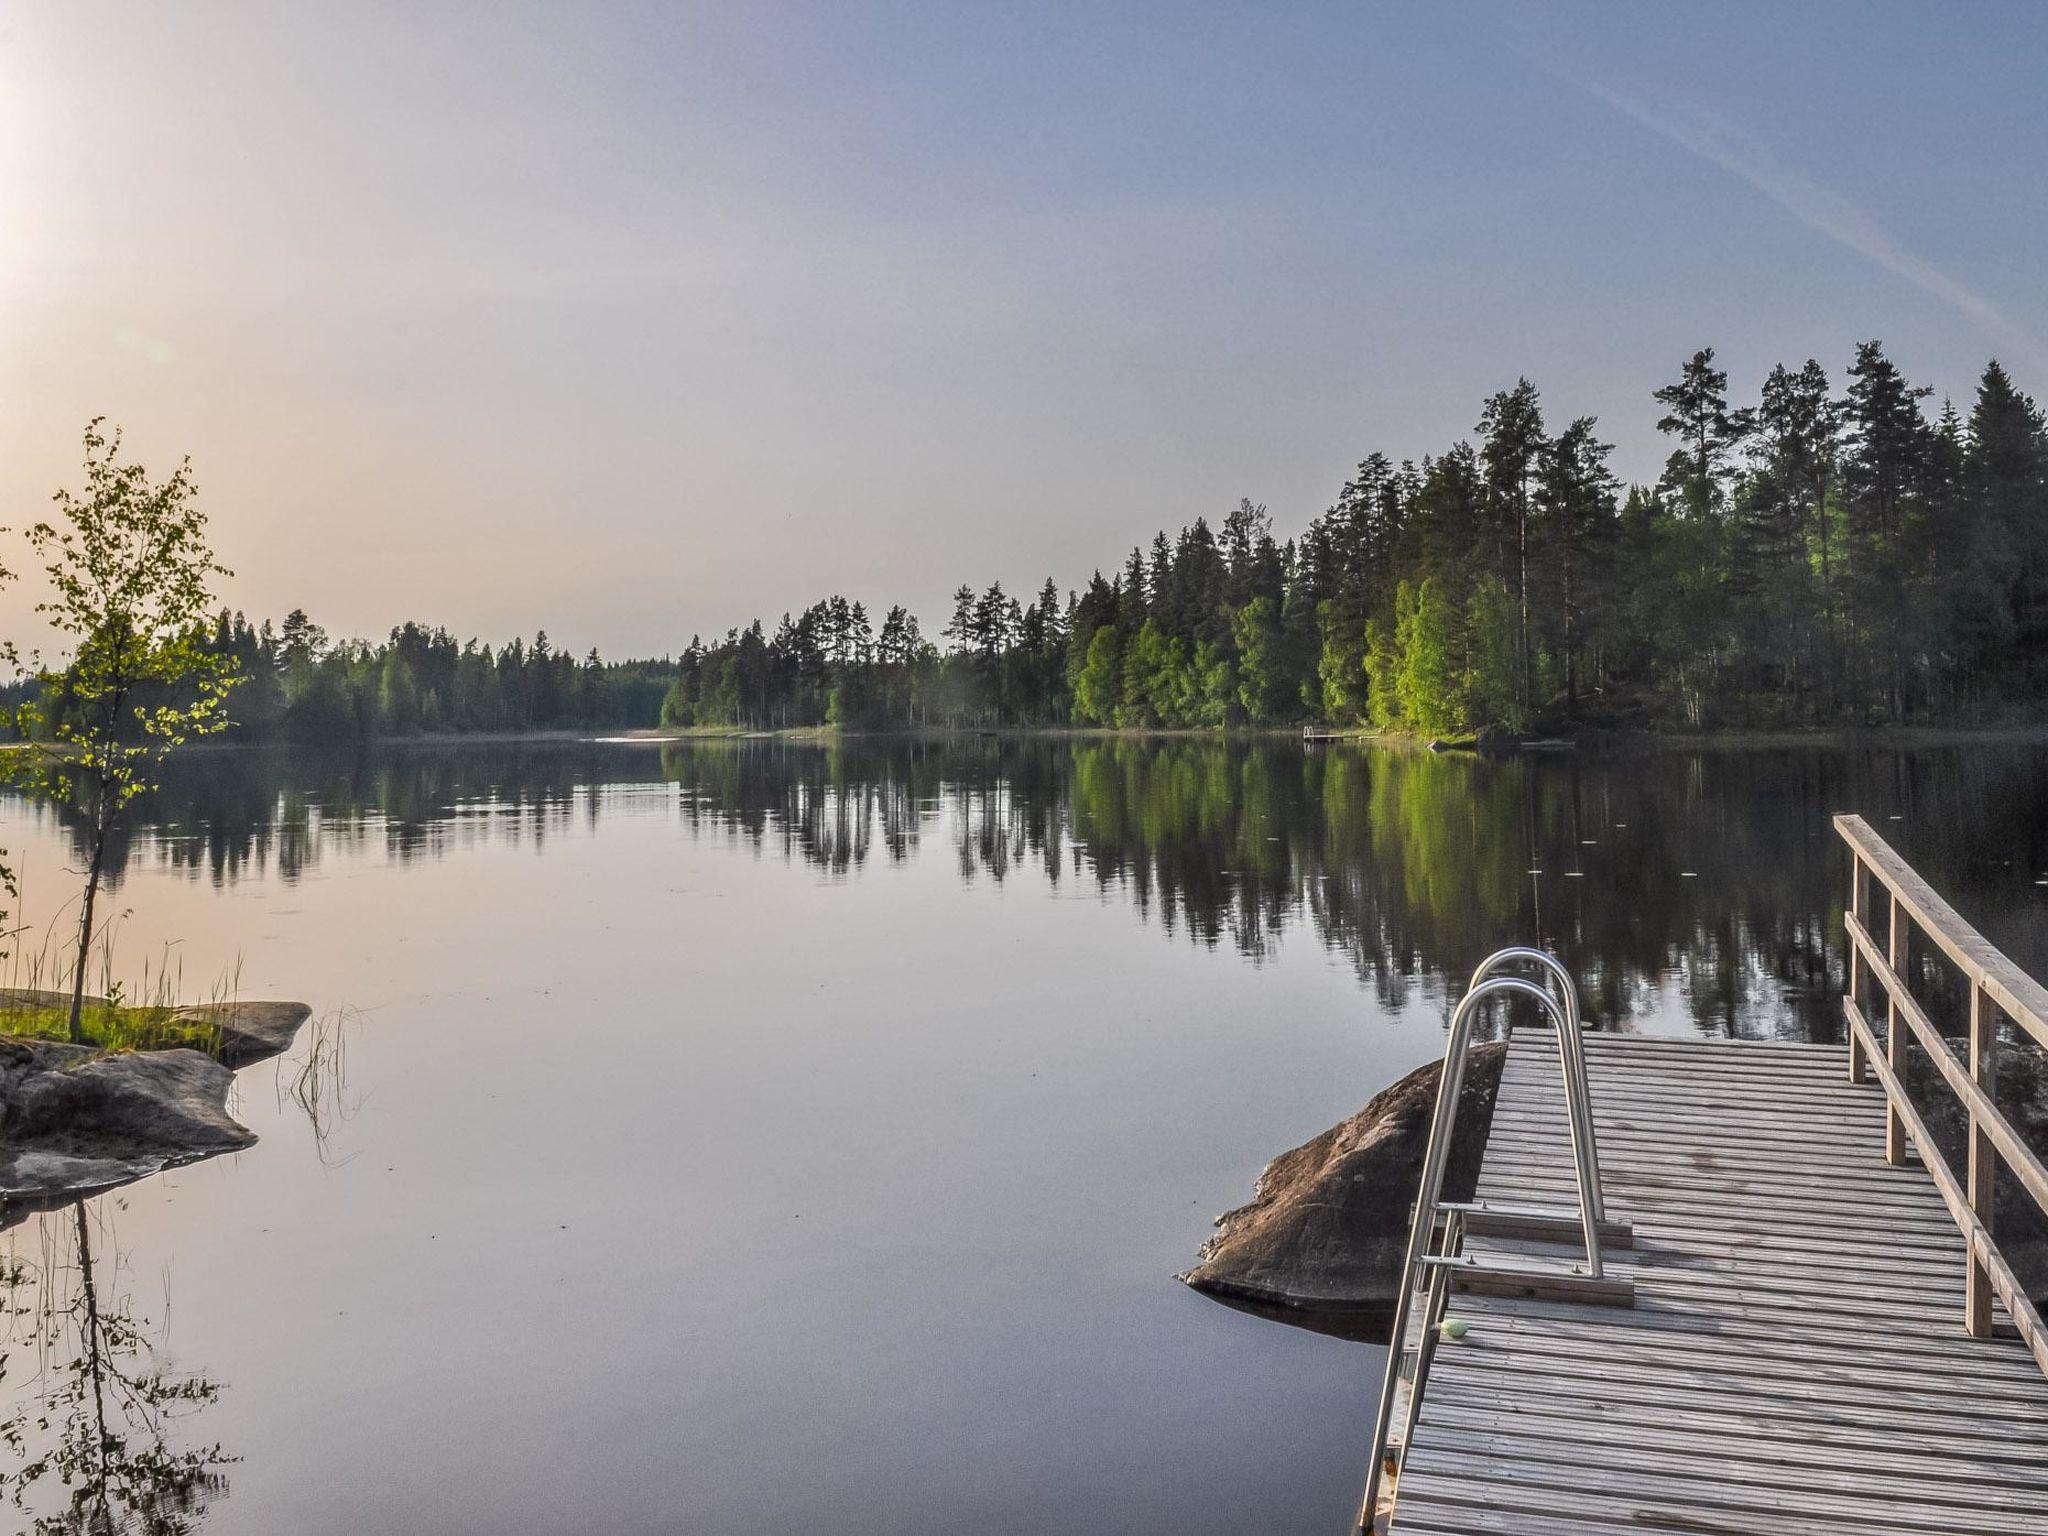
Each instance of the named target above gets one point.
<point>1356,1323</point>
<point>1716,868</point>
<point>97,1427</point>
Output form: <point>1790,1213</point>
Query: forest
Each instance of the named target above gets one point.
<point>1815,557</point>
<point>420,681</point>
<point>296,685</point>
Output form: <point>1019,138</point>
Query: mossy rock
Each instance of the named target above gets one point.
<point>236,1034</point>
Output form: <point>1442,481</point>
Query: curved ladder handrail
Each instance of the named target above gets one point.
<point>1564,1017</point>
<point>1578,1102</point>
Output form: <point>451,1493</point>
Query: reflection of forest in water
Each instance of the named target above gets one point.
<point>95,1428</point>
<point>1718,866</point>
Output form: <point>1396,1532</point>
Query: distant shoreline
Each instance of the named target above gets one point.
<point>1589,741</point>
<point>1597,742</point>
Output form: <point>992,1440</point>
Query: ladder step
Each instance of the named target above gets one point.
<point>1474,1276</point>
<point>1538,1223</point>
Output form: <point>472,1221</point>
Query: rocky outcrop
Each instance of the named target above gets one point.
<point>75,1120</point>
<point>251,1032</point>
<point>1321,1243</point>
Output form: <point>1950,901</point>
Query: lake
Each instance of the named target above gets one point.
<point>765,1136</point>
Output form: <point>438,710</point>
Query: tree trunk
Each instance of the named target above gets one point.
<point>92,891</point>
<point>1522,581</point>
<point>1571,637</point>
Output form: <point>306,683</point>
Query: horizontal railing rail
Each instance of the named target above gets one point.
<point>1997,986</point>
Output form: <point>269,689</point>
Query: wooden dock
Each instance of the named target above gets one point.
<point>1823,1336</point>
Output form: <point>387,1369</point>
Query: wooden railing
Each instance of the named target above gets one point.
<point>1997,986</point>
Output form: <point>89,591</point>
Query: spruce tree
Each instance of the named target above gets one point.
<point>1699,416</point>
<point>1512,427</point>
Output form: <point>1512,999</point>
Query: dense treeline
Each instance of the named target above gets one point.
<point>303,688</point>
<point>1818,556</point>
<point>298,686</point>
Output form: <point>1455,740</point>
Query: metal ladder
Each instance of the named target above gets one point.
<point>1437,1233</point>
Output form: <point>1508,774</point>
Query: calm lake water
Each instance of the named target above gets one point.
<point>757,1137</point>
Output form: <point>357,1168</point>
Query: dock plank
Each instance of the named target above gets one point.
<point>1796,1360</point>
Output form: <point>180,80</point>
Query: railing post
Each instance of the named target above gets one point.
<point>1859,906</point>
<point>1895,1035</point>
<point>1997,987</point>
<point>1983,1157</point>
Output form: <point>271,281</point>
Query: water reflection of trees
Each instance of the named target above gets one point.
<point>1715,866</point>
<point>91,1415</point>
<point>235,814</point>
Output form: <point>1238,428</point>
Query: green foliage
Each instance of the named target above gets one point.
<point>1340,667</point>
<point>1265,687</point>
<point>1431,680</point>
<point>128,566</point>
<point>1382,672</point>
<point>1098,691</point>
<point>1215,701</point>
<point>1491,698</point>
<point>1154,679</point>
<point>112,1027</point>
<point>399,695</point>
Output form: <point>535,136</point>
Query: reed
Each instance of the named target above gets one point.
<point>151,1017</point>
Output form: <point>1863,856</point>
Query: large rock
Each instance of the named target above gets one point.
<point>1322,1241</point>
<point>75,1120</point>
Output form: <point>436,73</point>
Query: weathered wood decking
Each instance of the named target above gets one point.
<point>1795,1361</point>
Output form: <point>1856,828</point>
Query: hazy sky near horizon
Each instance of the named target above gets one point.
<point>629,321</point>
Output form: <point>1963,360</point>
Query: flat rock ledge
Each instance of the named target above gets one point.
<point>75,1121</point>
<point>1321,1243</point>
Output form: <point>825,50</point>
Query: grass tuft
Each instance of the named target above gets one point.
<point>112,1027</point>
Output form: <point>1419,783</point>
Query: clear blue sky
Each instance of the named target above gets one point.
<point>630,321</point>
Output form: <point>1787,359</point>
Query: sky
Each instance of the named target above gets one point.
<point>636,321</point>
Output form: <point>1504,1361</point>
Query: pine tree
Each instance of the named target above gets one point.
<point>2005,476</point>
<point>1887,454</point>
<point>1512,425</point>
<point>1699,416</point>
<point>1132,606</point>
<point>1575,498</point>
